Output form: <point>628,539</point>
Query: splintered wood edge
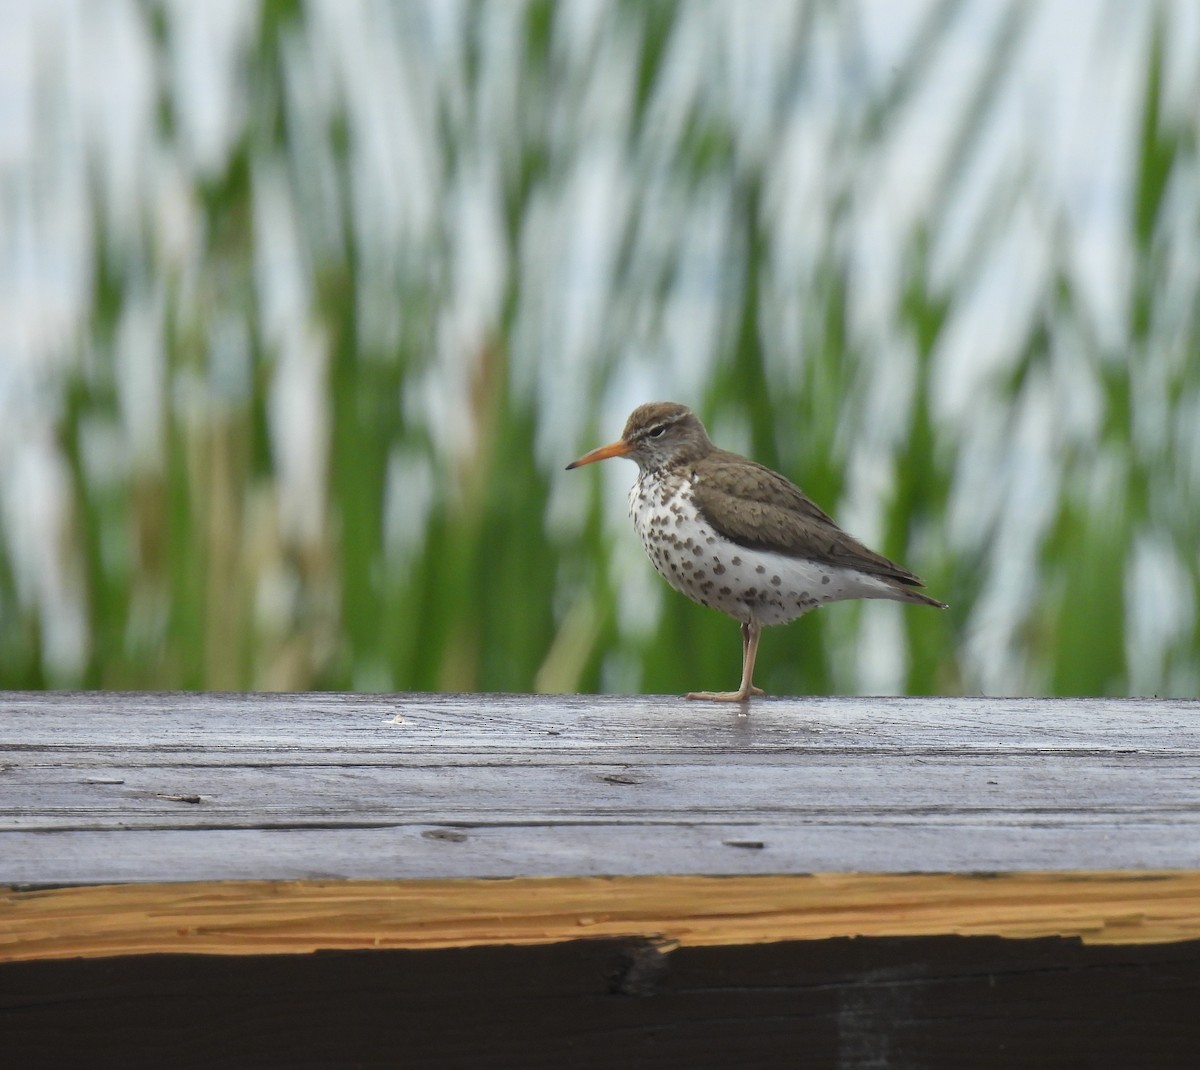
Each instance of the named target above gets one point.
<point>292,917</point>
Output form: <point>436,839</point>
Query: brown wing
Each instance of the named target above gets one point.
<point>761,510</point>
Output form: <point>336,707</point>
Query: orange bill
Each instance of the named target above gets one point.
<point>621,448</point>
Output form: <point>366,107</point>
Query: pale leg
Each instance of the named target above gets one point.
<point>750,633</point>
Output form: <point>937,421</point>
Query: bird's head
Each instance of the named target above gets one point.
<point>657,435</point>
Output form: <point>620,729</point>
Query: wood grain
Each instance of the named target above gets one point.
<point>255,917</point>
<point>286,823</point>
<point>102,788</point>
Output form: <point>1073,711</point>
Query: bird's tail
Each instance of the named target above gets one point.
<point>907,594</point>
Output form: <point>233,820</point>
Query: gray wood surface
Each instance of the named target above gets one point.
<point>162,787</point>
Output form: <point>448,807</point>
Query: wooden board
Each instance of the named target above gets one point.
<point>860,1004</point>
<point>296,917</point>
<point>542,881</point>
<point>102,788</point>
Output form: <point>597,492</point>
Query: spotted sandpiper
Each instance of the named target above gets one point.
<point>735,536</point>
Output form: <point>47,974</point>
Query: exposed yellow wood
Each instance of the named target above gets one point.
<point>260,917</point>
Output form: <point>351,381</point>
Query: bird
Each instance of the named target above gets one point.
<point>740,538</point>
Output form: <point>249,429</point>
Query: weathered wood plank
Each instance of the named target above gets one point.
<point>112,787</point>
<point>427,852</point>
<point>271,724</point>
<point>259,825</point>
<point>656,787</point>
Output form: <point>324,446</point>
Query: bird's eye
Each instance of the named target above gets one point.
<point>658,431</point>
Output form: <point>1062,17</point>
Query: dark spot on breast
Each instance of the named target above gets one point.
<point>700,573</point>
<point>725,591</point>
<point>824,579</point>
<point>698,551</point>
<point>736,561</point>
<point>776,581</point>
<point>761,569</point>
<point>710,540</point>
<point>752,592</point>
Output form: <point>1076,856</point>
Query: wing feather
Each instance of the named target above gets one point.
<point>762,510</point>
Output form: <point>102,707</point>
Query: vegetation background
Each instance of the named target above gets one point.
<point>306,305</point>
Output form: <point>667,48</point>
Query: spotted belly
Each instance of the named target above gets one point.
<point>746,584</point>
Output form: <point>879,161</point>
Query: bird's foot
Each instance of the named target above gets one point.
<point>725,696</point>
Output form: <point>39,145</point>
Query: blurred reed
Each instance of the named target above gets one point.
<point>332,355</point>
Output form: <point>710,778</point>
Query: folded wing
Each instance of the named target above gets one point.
<point>761,510</point>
